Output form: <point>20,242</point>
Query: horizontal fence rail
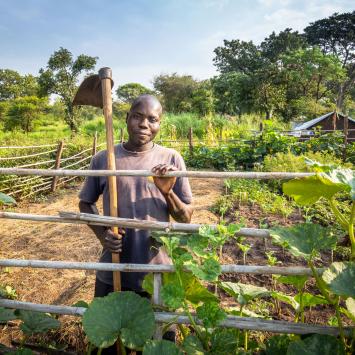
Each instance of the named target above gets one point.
<point>226,269</point>
<point>247,323</point>
<point>86,218</point>
<point>147,173</point>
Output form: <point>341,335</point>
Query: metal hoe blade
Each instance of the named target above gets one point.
<point>90,92</point>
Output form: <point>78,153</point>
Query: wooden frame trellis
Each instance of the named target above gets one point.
<point>161,317</point>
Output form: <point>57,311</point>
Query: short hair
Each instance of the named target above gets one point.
<point>145,97</point>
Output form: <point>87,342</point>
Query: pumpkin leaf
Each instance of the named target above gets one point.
<point>36,322</point>
<point>6,315</point>
<point>340,278</point>
<point>244,293</point>
<point>309,300</point>
<point>210,314</point>
<point>317,344</point>
<point>295,280</point>
<point>6,200</point>
<point>173,295</point>
<point>161,347</point>
<point>208,271</point>
<point>193,346</point>
<point>123,314</point>
<point>304,239</point>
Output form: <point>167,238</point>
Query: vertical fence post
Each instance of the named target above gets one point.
<point>57,164</point>
<point>94,144</point>
<point>157,283</point>
<point>121,135</point>
<point>334,118</point>
<point>346,132</point>
<point>191,145</point>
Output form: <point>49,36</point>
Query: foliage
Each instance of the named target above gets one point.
<point>128,92</point>
<point>14,85</point>
<point>60,78</point>
<point>6,200</point>
<point>23,111</point>
<point>107,318</point>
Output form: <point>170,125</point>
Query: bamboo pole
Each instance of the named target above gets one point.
<point>247,323</point>
<point>57,164</point>
<point>147,173</point>
<point>191,145</point>
<point>121,135</point>
<point>155,268</point>
<point>346,133</point>
<point>86,218</point>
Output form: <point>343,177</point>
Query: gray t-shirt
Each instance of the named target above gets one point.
<point>137,198</point>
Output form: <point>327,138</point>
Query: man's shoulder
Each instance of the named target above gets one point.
<point>167,151</point>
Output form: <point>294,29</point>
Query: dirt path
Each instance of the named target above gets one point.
<point>48,241</point>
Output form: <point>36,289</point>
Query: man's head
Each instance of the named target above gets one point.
<point>143,119</point>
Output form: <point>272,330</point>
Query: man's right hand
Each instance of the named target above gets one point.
<point>112,241</point>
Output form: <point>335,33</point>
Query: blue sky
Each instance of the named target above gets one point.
<point>139,39</point>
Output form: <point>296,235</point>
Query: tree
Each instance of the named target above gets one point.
<point>276,45</point>
<point>61,77</point>
<point>176,90</point>
<point>128,92</point>
<point>202,98</point>
<point>23,111</point>
<point>13,85</point>
<point>336,35</point>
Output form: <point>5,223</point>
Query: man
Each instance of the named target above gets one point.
<point>137,197</point>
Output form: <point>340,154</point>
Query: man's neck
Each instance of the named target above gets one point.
<point>137,148</point>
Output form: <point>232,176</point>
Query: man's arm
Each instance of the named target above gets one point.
<point>180,211</point>
<point>108,239</point>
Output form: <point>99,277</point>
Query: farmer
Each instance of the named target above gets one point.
<point>137,197</point>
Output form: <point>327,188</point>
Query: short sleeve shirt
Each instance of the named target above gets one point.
<point>138,198</point>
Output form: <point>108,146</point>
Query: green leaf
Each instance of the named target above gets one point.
<point>286,299</point>
<point>198,244</point>
<point>350,305</point>
<point>224,341</point>
<point>6,200</point>
<point>309,300</point>
<point>23,351</point>
<point>296,280</point>
<point>161,347</point>
<point>210,314</point>
<point>244,293</point>
<point>207,231</point>
<point>305,239</point>
<point>340,278</point>
<point>6,315</point>
<point>173,295</point>
<point>36,322</point>
<point>342,178</point>
<point>195,292</point>
<point>193,346</point>
<point>308,190</point>
<point>277,345</point>
<point>317,344</point>
<point>208,271</point>
<point>123,314</point>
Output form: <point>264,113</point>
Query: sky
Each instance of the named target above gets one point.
<point>140,39</point>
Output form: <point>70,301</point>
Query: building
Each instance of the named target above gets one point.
<point>332,121</point>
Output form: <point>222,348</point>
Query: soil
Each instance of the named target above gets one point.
<point>70,242</point>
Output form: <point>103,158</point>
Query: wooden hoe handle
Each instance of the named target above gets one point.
<point>105,75</point>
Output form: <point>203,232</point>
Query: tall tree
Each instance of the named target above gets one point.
<point>23,111</point>
<point>128,92</point>
<point>336,35</point>
<point>176,91</point>
<point>13,85</point>
<point>61,77</point>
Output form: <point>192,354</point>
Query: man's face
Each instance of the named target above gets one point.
<point>143,122</point>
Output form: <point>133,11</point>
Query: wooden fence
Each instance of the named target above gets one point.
<point>157,270</point>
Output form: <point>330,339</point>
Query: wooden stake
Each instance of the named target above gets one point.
<point>94,144</point>
<point>191,146</point>
<point>121,135</point>
<point>57,164</point>
<point>105,75</point>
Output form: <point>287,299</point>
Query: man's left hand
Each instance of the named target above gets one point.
<point>164,184</point>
